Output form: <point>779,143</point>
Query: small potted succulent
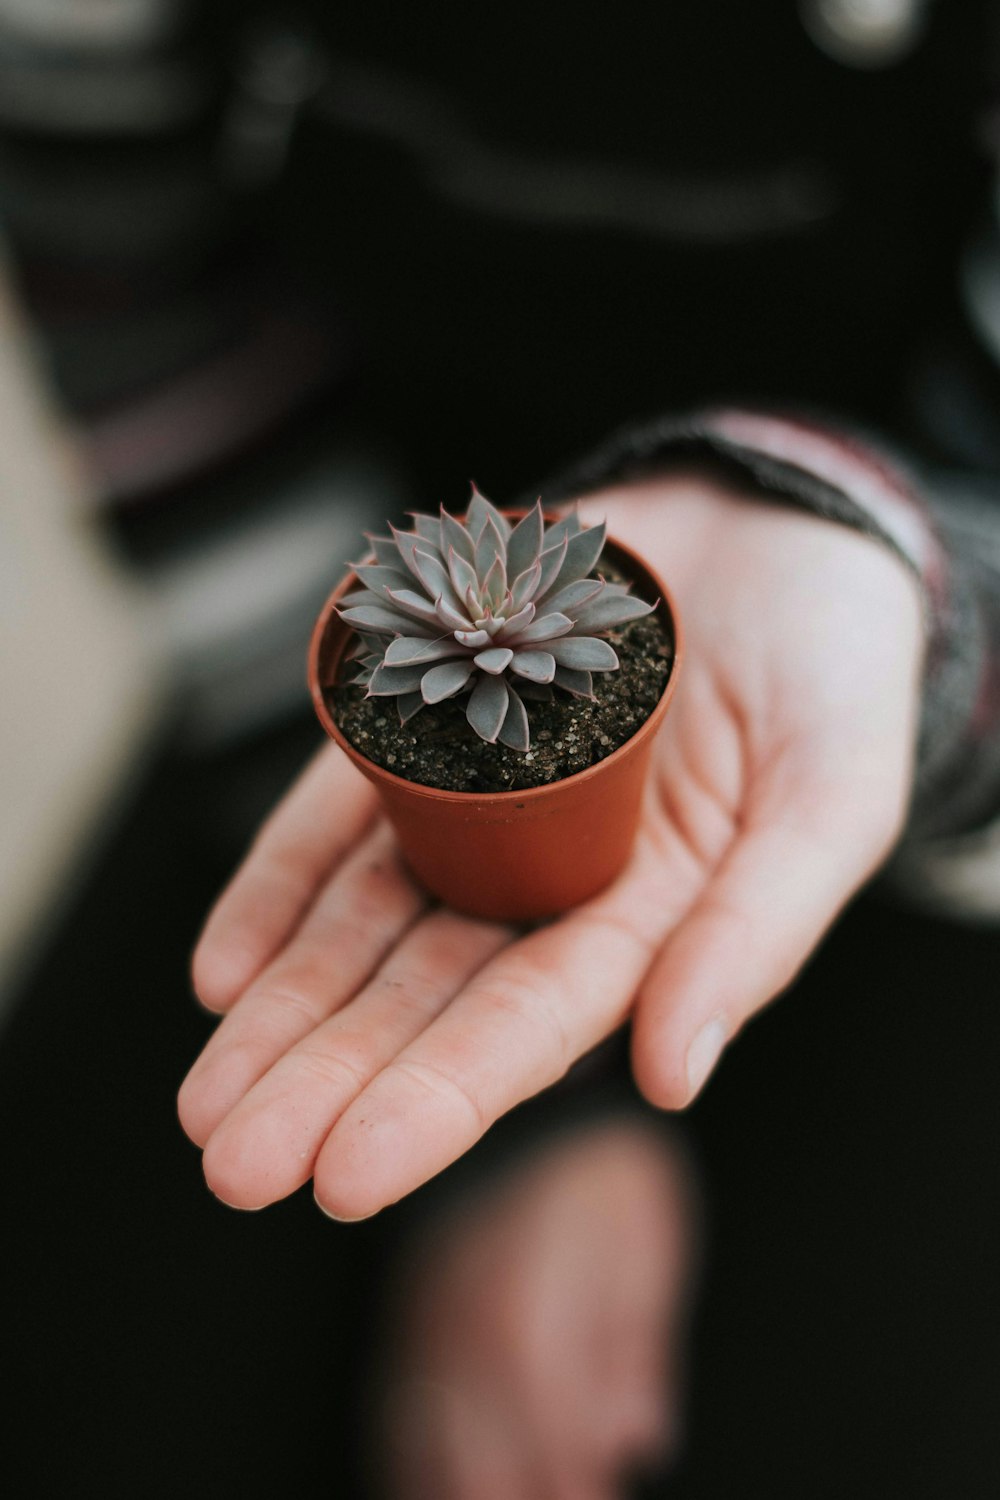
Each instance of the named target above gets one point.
<point>500,682</point>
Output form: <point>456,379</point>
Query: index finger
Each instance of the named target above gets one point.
<point>515,1028</point>
<point>312,829</point>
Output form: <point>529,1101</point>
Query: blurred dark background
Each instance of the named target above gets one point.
<point>281,271</point>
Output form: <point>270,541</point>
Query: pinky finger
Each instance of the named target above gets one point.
<point>768,905</point>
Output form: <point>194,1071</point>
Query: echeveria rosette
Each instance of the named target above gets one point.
<point>497,611</point>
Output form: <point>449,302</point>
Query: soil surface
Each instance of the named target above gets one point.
<point>438,748</point>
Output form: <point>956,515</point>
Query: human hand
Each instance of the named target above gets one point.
<point>535,1338</point>
<point>369,1040</point>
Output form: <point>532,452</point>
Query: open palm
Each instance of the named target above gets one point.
<point>370,1037</point>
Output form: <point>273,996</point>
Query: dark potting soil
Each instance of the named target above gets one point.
<point>438,748</point>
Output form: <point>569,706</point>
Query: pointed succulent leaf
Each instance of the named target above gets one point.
<point>495,660</point>
<point>572,598</point>
<point>585,653</point>
<point>545,628</point>
<point>515,625</point>
<point>428,528</point>
<point>495,583</point>
<point>454,619</point>
<point>525,542</point>
<point>416,605</point>
<point>380,580</point>
<point>581,684</point>
<point>603,613</point>
<point>369,645</point>
<point>449,606</point>
<point>476,515</point>
<point>462,572</point>
<point>388,681</point>
<point>446,680</point>
<point>500,521</point>
<point>514,729</point>
<point>568,527</point>
<point>409,704</point>
<point>434,576</point>
<point>524,585</point>
<point>378,617</point>
<point>480,512</point>
<point>454,534</point>
<point>410,651</point>
<point>551,560</point>
<point>406,543</point>
<point>582,552</point>
<point>489,547</point>
<point>385,550</point>
<point>536,666</point>
<point>488,707</point>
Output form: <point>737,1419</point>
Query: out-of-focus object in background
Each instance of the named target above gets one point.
<point>218,482</point>
<point>131,187</point>
<point>865,33</point>
<point>61,65</point>
<point>954,384</point>
<point>281,68</point>
<point>235,606</point>
<point>80,676</point>
<point>209,389</point>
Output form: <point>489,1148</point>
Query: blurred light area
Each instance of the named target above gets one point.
<point>457,161</point>
<point>979,284</point>
<point>204,637</point>
<point>865,33</point>
<point>81,674</point>
<point>162,436</point>
<point>279,71</point>
<point>89,23</point>
<point>236,612</point>
<point>61,66</point>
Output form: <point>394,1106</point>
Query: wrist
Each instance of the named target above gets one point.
<point>839,477</point>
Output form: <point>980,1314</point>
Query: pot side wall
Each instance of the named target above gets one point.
<point>511,856</point>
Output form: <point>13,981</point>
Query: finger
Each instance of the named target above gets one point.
<point>514,1029</point>
<point>483,1453</point>
<point>625,1238</point>
<point>361,913</point>
<point>454,1440</point>
<point>809,843</point>
<point>267,1145</point>
<point>307,836</point>
<point>577,1481</point>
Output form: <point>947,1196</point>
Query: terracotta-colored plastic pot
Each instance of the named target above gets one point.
<point>519,855</point>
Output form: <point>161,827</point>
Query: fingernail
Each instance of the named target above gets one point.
<point>703,1053</point>
<point>343,1218</point>
<point>240,1208</point>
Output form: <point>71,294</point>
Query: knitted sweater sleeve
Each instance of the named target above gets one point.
<point>949,856</point>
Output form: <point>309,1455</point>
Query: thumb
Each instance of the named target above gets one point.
<point>809,841</point>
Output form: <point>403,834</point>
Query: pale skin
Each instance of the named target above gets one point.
<point>369,1038</point>
<point>539,1327</point>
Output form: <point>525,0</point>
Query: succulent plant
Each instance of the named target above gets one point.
<point>498,611</point>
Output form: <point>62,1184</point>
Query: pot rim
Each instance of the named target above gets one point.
<point>649,726</point>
